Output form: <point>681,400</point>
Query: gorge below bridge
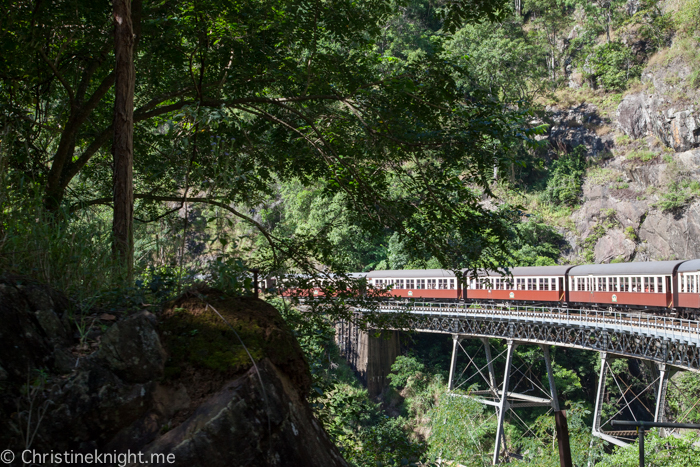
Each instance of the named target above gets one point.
<point>665,344</point>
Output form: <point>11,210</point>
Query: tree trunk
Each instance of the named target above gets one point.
<point>123,144</point>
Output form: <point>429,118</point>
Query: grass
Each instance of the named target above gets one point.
<point>70,254</point>
<point>601,175</point>
<point>642,155</point>
<point>622,140</point>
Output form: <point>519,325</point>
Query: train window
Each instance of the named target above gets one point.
<point>648,285</point>
<point>442,284</point>
<point>636,284</point>
<point>410,284</point>
<point>431,284</point>
<point>420,283</point>
<point>452,284</point>
<point>519,284</point>
<point>544,284</point>
<point>399,283</point>
<point>530,284</point>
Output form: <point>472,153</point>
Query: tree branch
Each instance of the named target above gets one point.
<point>59,76</point>
<point>179,199</point>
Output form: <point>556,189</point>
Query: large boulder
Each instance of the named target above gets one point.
<point>632,117</point>
<point>254,420</point>
<point>185,381</point>
<point>614,245</point>
<point>132,349</point>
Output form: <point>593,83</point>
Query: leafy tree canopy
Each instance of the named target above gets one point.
<point>234,97</point>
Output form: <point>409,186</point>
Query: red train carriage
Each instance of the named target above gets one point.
<point>532,284</point>
<point>303,286</point>
<point>689,284</point>
<point>438,284</point>
<point>648,284</point>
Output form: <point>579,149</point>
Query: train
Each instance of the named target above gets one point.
<point>666,287</point>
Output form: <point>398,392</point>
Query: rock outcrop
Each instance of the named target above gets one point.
<point>575,126</point>
<point>640,115</point>
<point>179,382</point>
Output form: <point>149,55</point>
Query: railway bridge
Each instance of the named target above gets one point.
<point>666,344</point>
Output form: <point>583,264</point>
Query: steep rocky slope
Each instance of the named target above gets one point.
<point>641,198</point>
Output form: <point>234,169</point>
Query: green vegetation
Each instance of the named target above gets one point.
<point>678,195</point>
<point>320,139</point>
<point>612,66</point>
<point>642,155</point>
<point>566,178</point>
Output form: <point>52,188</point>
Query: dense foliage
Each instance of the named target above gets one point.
<point>323,138</point>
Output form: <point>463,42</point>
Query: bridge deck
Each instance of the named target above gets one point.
<point>664,339</point>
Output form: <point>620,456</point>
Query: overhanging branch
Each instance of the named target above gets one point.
<point>178,199</point>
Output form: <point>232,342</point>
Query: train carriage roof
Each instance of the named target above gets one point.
<point>532,271</point>
<point>690,266</point>
<point>409,273</point>
<point>626,269</point>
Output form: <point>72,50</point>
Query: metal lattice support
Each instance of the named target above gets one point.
<point>627,397</point>
<point>550,377</point>
<point>661,394</point>
<point>502,397</point>
<point>503,404</point>
<point>456,339</point>
<point>647,347</point>
<point>661,339</point>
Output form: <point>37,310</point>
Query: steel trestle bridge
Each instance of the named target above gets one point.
<point>667,344</point>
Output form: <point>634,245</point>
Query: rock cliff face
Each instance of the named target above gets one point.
<point>177,382</point>
<point>642,201</point>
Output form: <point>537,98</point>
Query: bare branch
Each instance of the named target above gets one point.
<point>59,76</point>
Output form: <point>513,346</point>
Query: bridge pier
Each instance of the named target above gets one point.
<point>598,411</point>
<point>456,339</point>
<point>369,356</point>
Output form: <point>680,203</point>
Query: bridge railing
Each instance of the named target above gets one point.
<point>580,316</point>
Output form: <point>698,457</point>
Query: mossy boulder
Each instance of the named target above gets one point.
<point>214,336</point>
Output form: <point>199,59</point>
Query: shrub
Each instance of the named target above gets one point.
<point>565,179</point>
<point>674,199</point>
<point>404,367</point>
<point>612,66</point>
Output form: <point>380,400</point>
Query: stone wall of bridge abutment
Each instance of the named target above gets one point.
<point>369,353</point>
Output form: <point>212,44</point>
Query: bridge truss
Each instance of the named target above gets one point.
<point>669,344</point>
